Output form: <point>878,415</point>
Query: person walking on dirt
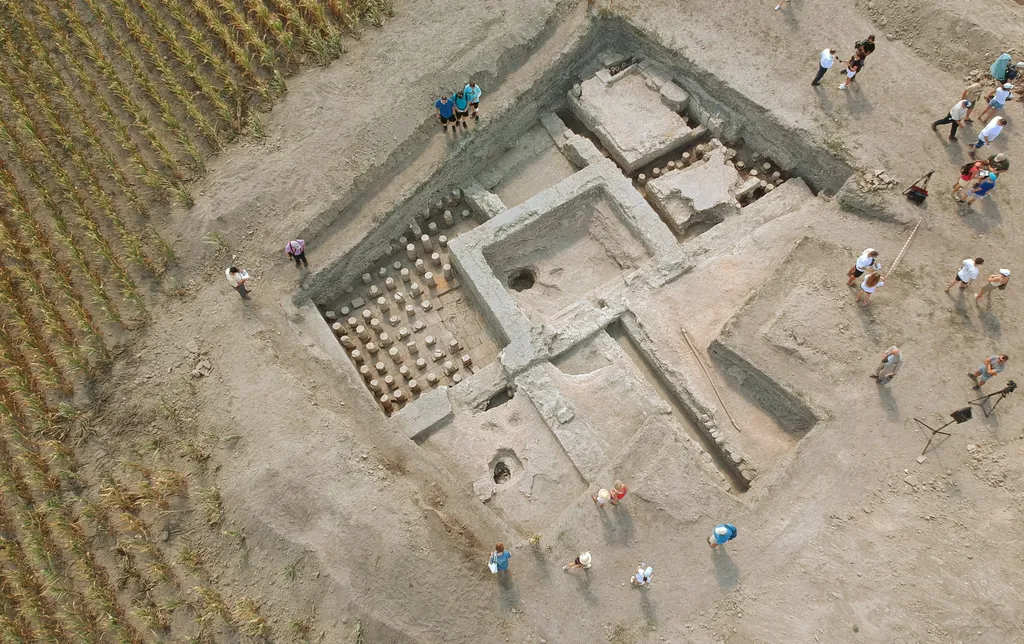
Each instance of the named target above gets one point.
<point>998,100</point>
<point>825,62</point>
<point>499,558</point>
<point>987,135</point>
<point>968,272</point>
<point>973,94</point>
<point>782,3</point>
<point>867,288</point>
<point>461,103</point>
<point>992,366</point>
<point>855,65</point>
<point>723,533</point>
<point>582,561</point>
<point>866,263</point>
<point>602,497</point>
<point>643,575</point>
<point>446,114</point>
<point>237,279</point>
<point>997,281</point>
<point>472,92</point>
<point>968,172</point>
<point>981,189</point>
<point>892,360</point>
<point>955,117</point>
<point>296,249</point>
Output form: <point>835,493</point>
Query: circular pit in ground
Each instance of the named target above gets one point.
<point>522,279</point>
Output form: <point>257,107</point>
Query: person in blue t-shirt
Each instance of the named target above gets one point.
<point>461,109</point>
<point>446,113</point>
<point>472,92</point>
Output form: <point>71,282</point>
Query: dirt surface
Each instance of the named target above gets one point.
<point>847,538</point>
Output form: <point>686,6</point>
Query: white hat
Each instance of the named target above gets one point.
<point>1020,65</point>
<point>648,572</point>
<point>721,530</point>
<point>603,494</point>
<point>585,558</point>
<point>1008,86</point>
<point>1005,272</point>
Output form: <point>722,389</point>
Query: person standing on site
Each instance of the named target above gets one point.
<point>968,273</point>
<point>987,135</point>
<point>867,288</point>
<point>618,492</point>
<point>973,94</point>
<point>581,561</point>
<point>722,534</point>
<point>997,281</point>
<point>461,103</point>
<point>955,117</point>
<point>237,279</point>
<point>296,249</point>
<point>446,114</point>
<point>865,47</point>
<point>852,68</point>
<point>981,189</point>
<point>866,263</point>
<point>499,558</point>
<point>892,360</point>
<point>602,497</point>
<point>642,577</point>
<point>473,92</point>
<point>992,366</point>
<point>825,62</point>
<point>998,100</point>
<point>998,163</point>
<point>968,172</point>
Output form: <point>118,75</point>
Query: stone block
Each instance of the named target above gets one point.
<point>700,192</point>
<point>484,204</point>
<point>431,411</point>
<point>655,73</point>
<point>675,96</point>
<point>556,129</point>
<point>581,151</point>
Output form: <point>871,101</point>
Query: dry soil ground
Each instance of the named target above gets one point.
<point>853,541</point>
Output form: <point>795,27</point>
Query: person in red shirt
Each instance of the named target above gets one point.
<point>618,492</point>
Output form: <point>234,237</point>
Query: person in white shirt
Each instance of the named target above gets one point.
<point>968,272</point>
<point>866,263</point>
<point>998,100</point>
<point>867,288</point>
<point>237,279</point>
<point>956,117</point>
<point>828,58</point>
<point>987,135</point>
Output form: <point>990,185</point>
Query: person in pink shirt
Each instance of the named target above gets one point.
<point>296,249</point>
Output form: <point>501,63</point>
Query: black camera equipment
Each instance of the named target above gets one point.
<point>959,416</point>
<point>1010,387</point>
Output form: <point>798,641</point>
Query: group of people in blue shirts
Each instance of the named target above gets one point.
<point>459,107</point>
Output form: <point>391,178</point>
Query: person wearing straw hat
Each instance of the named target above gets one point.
<point>892,360</point>
<point>998,281</point>
<point>582,561</point>
<point>723,533</point>
<point>866,263</point>
<point>643,575</point>
<point>602,497</point>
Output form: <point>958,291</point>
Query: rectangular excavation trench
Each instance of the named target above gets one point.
<point>682,413</point>
<point>710,99</point>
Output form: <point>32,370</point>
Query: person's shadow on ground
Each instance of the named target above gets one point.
<point>541,561</point>
<point>990,322</point>
<point>648,607</point>
<point>583,586</point>
<point>617,528</point>
<point>892,408</point>
<point>508,591</point>
<point>725,570</point>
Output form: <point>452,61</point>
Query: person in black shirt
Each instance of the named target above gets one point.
<point>865,47</point>
<point>854,66</point>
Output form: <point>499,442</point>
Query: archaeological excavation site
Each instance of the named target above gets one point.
<point>526,317</point>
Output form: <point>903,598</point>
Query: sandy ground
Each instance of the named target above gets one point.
<point>848,540</point>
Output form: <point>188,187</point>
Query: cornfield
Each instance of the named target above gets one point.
<point>108,110</point>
